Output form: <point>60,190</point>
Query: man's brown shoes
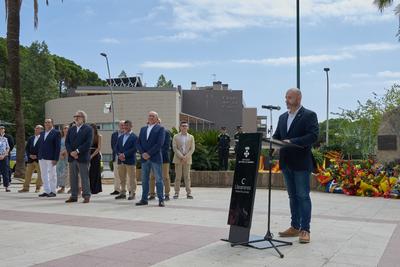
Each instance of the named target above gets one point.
<point>86,200</point>
<point>304,237</point>
<point>291,232</point>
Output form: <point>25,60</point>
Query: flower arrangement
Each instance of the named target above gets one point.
<point>359,178</point>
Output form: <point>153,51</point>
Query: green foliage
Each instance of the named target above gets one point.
<point>162,82</point>
<point>318,156</point>
<point>41,73</point>
<point>205,157</point>
<point>355,131</point>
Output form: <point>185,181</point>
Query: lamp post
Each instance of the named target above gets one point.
<point>111,91</point>
<point>298,41</point>
<point>327,107</point>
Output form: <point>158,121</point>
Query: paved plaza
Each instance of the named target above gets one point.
<point>346,231</point>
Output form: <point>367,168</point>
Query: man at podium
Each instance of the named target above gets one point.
<point>298,126</point>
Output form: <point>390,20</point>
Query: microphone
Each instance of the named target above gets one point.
<point>271,107</point>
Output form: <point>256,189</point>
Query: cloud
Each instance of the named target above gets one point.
<point>341,85</point>
<point>211,15</point>
<point>181,36</point>
<point>305,60</point>
<point>372,47</point>
<point>110,41</point>
<point>388,74</point>
<point>360,75</point>
<point>167,65</point>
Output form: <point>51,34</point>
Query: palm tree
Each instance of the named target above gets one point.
<point>382,4</point>
<point>13,8</point>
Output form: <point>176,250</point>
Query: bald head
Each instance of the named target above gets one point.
<point>293,99</point>
<point>152,117</point>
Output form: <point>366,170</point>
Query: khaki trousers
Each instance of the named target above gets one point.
<point>117,181</point>
<point>182,170</point>
<point>166,178</point>
<point>127,172</point>
<point>30,168</point>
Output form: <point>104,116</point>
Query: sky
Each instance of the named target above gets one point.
<point>249,44</point>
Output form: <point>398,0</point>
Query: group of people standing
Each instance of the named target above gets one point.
<point>154,145</point>
<point>72,158</point>
<point>48,153</point>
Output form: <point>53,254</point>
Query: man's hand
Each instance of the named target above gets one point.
<point>287,141</point>
<point>74,154</point>
<point>145,155</point>
<point>2,157</point>
<point>121,157</point>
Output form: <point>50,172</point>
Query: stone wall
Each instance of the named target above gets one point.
<point>390,125</point>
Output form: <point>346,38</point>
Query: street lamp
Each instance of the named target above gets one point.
<point>111,91</point>
<point>298,41</point>
<point>327,107</point>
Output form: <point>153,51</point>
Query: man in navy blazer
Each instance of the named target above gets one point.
<point>298,126</point>
<point>32,151</point>
<point>114,141</point>
<point>150,141</point>
<point>48,155</point>
<point>78,141</point>
<point>126,153</point>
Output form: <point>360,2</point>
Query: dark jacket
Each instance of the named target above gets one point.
<point>81,141</point>
<point>153,145</point>
<point>129,149</point>
<point>31,149</point>
<point>49,148</point>
<point>114,141</point>
<point>166,148</point>
<point>303,132</point>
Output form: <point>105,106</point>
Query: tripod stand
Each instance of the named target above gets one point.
<point>268,236</point>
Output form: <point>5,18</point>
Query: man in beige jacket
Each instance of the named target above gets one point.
<point>183,146</point>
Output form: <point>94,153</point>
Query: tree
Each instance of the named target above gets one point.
<point>162,82</point>
<point>382,4</point>
<point>13,8</point>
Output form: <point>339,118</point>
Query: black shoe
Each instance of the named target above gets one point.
<point>166,198</point>
<point>161,204</point>
<point>121,196</point>
<point>151,198</point>
<point>142,203</point>
<point>71,199</point>
<point>189,197</point>
<point>51,194</point>
<point>44,195</point>
<point>8,190</point>
<point>115,193</point>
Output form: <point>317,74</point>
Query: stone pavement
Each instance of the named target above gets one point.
<point>346,231</point>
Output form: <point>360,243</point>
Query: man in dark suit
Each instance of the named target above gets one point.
<point>114,141</point>
<point>298,126</point>
<point>165,150</point>
<point>32,151</point>
<point>223,149</point>
<point>126,153</point>
<point>78,141</point>
<point>150,141</point>
<point>48,154</point>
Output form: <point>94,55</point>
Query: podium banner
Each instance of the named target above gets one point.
<point>245,180</point>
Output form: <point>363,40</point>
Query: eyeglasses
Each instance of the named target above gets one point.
<point>77,116</point>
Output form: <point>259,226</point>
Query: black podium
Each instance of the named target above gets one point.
<point>243,193</point>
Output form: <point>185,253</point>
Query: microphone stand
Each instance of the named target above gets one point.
<point>268,236</point>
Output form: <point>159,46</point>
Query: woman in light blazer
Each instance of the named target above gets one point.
<point>183,146</point>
